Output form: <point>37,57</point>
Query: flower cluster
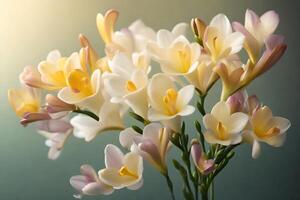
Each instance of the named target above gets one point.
<point>84,95</point>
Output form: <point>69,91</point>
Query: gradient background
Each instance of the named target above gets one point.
<point>29,29</point>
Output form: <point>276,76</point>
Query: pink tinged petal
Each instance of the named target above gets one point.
<point>34,117</point>
<point>54,126</point>
<point>151,133</point>
<point>196,152</point>
<point>251,20</point>
<point>236,102</point>
<point>54,104</point>
<point>97,188</point>
<point>113,157</point>
<point>53,153</point>
<point>256,149</point>
<point>270,21</point>
<point>272,54</point>
<point>210,122</point>
<point>78,182</point>
<point>151,149</point>
<point>222,23</point>
<point>253,104</point>
<point>127,136</point>
<point>208,166</point>
<point>89,172</point>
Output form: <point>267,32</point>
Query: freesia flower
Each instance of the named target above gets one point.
<point>264,127</point>
<point>256,30</point>
<point>204,165</point>
<point>166,102</point>
<point>224,127</point>
<point>219,40</point>
<point>122,170</point>
<point>26,102</point>
<point>56,132</point>
<point>203,77</point>
<point>83,90</point>
<point>55,105</point>
<point>88,128</point>
<point>88,183</point>
<point>53,70</point>
<point>152,145</point>
<point>32,78</point>
<point>128,40</point>
<point>127,84</point>
<point>178,57</point>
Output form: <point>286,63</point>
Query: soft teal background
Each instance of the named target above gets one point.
<point>29,29</point>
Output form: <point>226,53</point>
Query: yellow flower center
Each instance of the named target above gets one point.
<point>80,82</point>
<point>170,101</point>
<point>185,61</point>
<point>222,131</point>
<point>266,134</point>
<point>27,108</point>
<point>130,86</point>
<point>125,172</point>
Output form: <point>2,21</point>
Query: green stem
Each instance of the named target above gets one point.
<point>212,191</point>
<point>88,113</point>
<point>170,185</point>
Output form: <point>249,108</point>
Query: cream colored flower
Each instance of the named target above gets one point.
<point>25,100</point>
<point>224,127</point>
<point>166,102</point>
<point>83,90</point>
<point>53,70</point>
<point>88,128</point>
<point>178,57</point>
<point>152,145</point>
<point>127,84</point>
<point>122,170</point>
<point>128,40</point>
<point>264,127</point>
<point>219,40</point>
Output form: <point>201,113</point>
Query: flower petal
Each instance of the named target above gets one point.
<point>113,157</point>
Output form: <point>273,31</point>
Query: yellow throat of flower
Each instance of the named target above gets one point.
<point>222,131</point>
<point>80,82</point>
<point>124,171</point>
<point>262,133</point>
<point>185,61</point>
<point>27,108</point>
<point>170,101</point>
<point>130,86</point>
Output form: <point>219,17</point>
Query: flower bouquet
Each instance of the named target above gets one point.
<point>85,95</point>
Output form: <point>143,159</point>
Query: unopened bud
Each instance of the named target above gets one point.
<point>198,27</point>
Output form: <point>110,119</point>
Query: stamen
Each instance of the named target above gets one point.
<point>125,172</point>
<point>130,86</point>
<point>222,131</point>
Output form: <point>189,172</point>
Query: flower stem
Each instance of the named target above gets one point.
<point>88,113</point>
<point>170,185</point>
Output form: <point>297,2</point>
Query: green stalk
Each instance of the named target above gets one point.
<point>170,184</point>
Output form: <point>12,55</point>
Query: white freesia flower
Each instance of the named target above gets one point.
<point>88,183</point>
<point>222,126</point>
<point>127,84</point>
<point>166,102</point>
<point>179,57</point>
<point>88,128</point>
<point>264,127</point>
<point>122,170</point>
<point>152,145</point>
<point>219,40</point>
